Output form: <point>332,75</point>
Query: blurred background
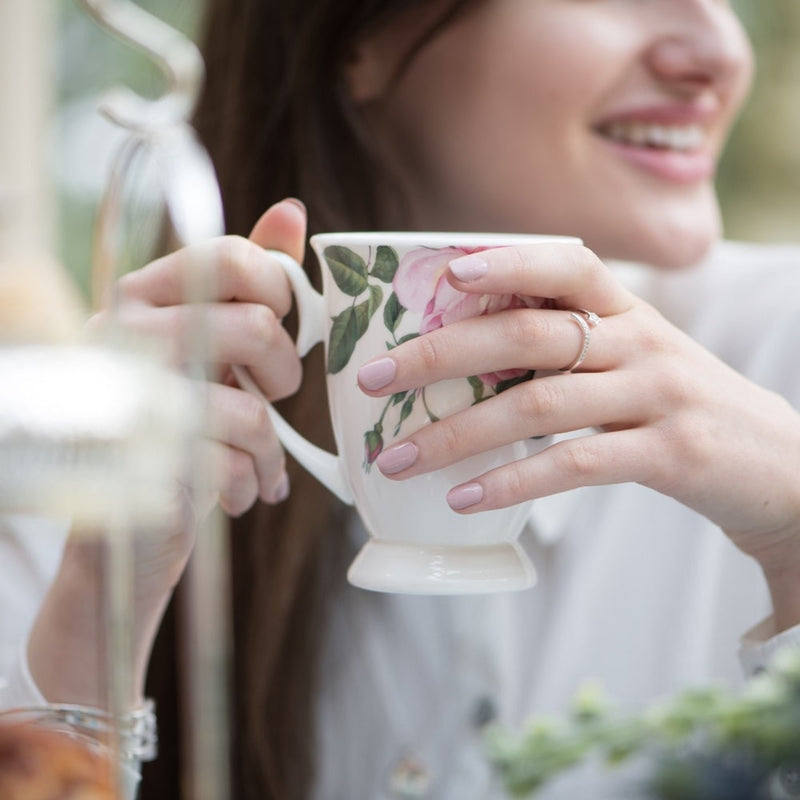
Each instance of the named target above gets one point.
<point>55,63</point>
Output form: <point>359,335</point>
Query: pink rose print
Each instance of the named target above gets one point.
<point>421,286</point>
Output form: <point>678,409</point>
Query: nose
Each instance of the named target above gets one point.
<point>700,43</point>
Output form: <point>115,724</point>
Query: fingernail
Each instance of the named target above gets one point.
<point>298,203</point>
<point>469,268</point>
<point>397,458</point>
<point>377,374</point>
<point>282,490</point>
<point>465,496</point>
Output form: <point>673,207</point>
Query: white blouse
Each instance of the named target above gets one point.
<point>634,590</point>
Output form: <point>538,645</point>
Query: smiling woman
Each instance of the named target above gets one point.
<point>576,103</point>
<point>666,520</point>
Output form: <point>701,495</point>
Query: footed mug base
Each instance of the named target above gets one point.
<point>406,568</point>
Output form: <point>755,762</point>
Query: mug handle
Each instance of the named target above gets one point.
<point>326,467</point>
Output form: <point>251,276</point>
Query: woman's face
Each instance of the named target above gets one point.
<point>598,118</point>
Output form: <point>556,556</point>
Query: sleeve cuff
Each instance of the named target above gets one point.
<point>760,644</point>
<point>20,690</point>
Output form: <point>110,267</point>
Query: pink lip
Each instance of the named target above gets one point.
<point>671,165</point>
<point>697,113</point>
<point>684,166</point>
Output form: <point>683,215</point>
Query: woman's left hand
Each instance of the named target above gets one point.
<point>667,413</point>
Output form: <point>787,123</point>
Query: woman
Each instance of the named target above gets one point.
<point>600,119</point>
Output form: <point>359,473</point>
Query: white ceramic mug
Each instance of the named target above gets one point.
<point>380,289</point>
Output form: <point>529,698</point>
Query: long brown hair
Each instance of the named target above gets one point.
<point>277,121</point>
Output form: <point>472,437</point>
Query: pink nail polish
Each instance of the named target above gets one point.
<point>465,496</point>
<point>377,374</point>
<point>397,458</point>
<point>469,268</point>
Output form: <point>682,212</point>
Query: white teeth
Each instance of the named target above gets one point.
<point>671,137</point>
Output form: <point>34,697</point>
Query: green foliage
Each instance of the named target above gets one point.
<point>386,264</point>
<point>703,743</point>
<point>348,269</point>
<point>351,274</point>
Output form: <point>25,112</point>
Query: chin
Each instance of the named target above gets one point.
<point>669,241</point>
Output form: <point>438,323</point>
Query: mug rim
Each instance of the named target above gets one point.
<point>436,239</point>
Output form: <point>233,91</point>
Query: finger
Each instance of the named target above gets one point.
<point>235,475</point>
<point>542,406</point>
<point>240,421</point>
<point>233,268</point>
<point>568,273</point>
<point>282,227</point>
<point>247,334</point>
<point>527,339</point>
<point>592,460</point>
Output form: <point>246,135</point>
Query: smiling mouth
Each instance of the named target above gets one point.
<point>679,138</point>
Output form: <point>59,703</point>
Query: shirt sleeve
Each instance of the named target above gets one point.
<point>30,552</point>
<point>760,644</point>
<point>19,689</point>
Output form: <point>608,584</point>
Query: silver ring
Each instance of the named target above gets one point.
<point>586,320</point>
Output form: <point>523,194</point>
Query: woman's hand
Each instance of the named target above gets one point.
<point>251,295</point>
<point>666,413</point>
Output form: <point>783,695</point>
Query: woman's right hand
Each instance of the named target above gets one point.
<point>250,296</point>
<point>243,318</point>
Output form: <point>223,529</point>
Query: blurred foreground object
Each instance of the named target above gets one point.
<point>37,763</point>
<point>93,433</point>
<point>704,743</point>
<point>38,303</point>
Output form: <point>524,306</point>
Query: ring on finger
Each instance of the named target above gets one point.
<point>586,320</point>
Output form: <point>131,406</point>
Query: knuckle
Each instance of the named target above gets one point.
<point>429,352</point>
<point>654,340</point>
<point>517,261</point>
<point>237,258</point>
<point>521,327</point>
<point>259,322</point>
<point>538,399</point>
<point>513,486</point>
<point>579,459</point>
<point>255,418</point>
<point>451,436</point>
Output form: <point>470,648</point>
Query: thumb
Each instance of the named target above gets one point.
<point>282,227</point>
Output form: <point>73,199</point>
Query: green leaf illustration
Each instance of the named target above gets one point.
<point>344,335</point>
<point>503,385</point>
<point>393,312</point>
<point>477,388</point>
<point>363,312</point>
<point>405,412</point>
<point>407,338</point>
<point>348,269</point>
<point>398,397</point>
<point>386,263</point>
<point>375,299</point>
